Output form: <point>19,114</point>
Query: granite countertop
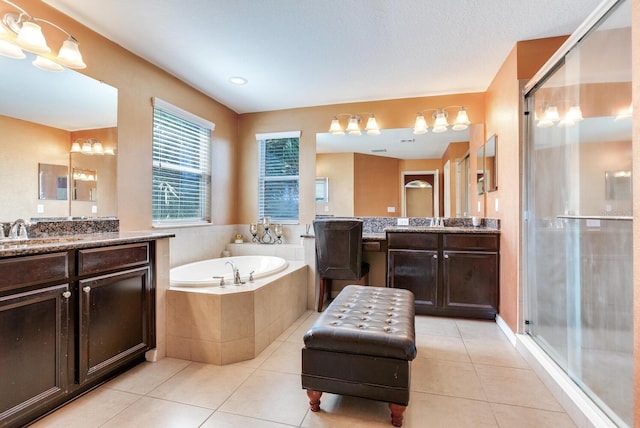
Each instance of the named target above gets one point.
<point>372,237</point>
<point>9,248</point>
<point>442,229</point>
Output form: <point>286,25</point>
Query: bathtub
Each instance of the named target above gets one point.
<point>223,325</point>
<point>202,273</point>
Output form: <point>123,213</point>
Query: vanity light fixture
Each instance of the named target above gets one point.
<point>90,146</point>
<point>21,32</point>
<point>551,116</point>
<point>353,126</point>
<point>625,114</point>
<point>440,121</point>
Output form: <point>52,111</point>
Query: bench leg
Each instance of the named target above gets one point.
<point>396,414</point>
<point>314,400</point>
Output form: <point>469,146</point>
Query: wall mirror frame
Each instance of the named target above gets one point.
<point>481,174</point>
<point>53,182</point>
<point>322,190</point>
<point>41,114</point>
<point>491,163</point>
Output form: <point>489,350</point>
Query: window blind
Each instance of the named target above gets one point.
<point>181,167</point>
<point>279,178</point>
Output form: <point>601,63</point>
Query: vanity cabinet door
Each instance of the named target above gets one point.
<point>116,321</point>
<point>470,283</point>
<point>416,271</point>
<point>34,334</point>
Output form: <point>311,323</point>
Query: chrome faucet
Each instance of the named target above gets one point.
<point>18,230</point>
<point>236,273</point>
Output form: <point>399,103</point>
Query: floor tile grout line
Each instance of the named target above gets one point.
<point>475,369</point>
<point>140,397</point>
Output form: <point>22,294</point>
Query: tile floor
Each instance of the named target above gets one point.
<point>466,374</point>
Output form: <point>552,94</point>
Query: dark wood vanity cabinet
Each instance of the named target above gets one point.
<point>451,274</point>
<point>35,307</point>
<point>68,321</point>
<point>412,263</point>
<point>115,308</point>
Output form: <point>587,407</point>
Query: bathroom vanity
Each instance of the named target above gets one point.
<point>73,311</point>
<point>451,271</point>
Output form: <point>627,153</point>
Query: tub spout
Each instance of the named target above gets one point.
<point>236,273</point>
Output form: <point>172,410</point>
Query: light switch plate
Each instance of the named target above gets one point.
<point>39,208</point>
<point>94,209</point>
<point>391,209</point>
<point>403,221</point>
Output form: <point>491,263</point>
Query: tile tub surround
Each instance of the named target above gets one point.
<point>225,325</point>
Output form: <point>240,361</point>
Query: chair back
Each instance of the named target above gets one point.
<point>338,248</point>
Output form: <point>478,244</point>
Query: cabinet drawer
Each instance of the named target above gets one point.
<point>471,241</point>
<point>108,258</point>
<point>30,270</point>
<point>413,241</point>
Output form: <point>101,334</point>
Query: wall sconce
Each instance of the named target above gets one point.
<point>353,126</point>
<point>90,146</point>
<point>551,116</point>
<point>20,31</point>
<point>440,121</point>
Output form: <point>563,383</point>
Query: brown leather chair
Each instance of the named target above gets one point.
<point>338,253</point>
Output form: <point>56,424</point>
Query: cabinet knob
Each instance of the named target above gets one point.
<point>66,294</point>
<point>446,256</point>
<point>435,256</point>
<point>86,289</point>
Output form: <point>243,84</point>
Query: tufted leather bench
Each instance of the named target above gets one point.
<point>362,345</point>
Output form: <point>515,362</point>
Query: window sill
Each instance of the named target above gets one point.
<point>179,225</point>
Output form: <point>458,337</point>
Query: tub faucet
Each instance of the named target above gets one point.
<point>18,230</point>
<point>236,273</point>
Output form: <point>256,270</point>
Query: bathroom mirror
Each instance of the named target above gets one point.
<point>491,164</point>
<point>322,189</point>
<point>85,183</point>
<point>40,113</point>
<point>617,185</point>
<point>52,182</point>
<point>399,150</point>
<point>481,174</point>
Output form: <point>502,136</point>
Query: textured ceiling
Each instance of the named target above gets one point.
<point>298,53</point>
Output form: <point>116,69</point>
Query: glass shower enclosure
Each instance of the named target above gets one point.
<point>577,210</point>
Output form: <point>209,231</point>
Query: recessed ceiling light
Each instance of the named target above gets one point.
<point>237,80</point>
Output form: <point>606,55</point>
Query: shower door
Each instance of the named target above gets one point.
<point>577,214</point>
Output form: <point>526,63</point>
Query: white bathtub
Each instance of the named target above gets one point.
<point>210,324</point>
<point>202,273</point>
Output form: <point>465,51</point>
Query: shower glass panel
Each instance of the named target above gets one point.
<point>578,214</point>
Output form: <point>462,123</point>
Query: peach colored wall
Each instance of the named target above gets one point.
<point>375,178</point>
<point>24,145</point>
<point>137,82</point>
<point>476,140</point>
<point>419,202</point>
<point>635,47</point>
<point>338,167</point>
<point>389,114</point>
<point>454,153</point>
<point>504,120</point>
<point>407,165</point>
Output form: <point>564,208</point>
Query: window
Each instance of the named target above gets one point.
<point>278,187</point>
<point>181,166</point>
